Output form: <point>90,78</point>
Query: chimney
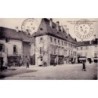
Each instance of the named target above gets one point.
<point>62,29</point>
<point>17,29</point>
<point>65,27</point>
<point>51,21</point>
<point>67,31</point>
<point>57,26</point>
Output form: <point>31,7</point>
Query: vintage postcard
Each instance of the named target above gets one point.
<point>48,49</point>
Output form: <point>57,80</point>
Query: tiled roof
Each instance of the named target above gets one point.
<point>13,34</point>
<point>45,28</point>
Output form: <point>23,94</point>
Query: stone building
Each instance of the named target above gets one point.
<point>17,45</point>
<point>88,50</point>
<point>53,44</point>
<point>50,44</point>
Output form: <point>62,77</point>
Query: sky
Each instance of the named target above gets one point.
<point>17,22</point>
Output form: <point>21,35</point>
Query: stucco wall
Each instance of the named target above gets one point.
<point>88,52</point>
<point>10,45</point>
<point>44,44</point>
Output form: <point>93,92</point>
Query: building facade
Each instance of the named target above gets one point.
<point>53,45</point>
<point>50,45</point>
<point>17,46</point>
<point>88,50</point>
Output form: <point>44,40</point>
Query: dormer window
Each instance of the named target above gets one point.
<point>55,40</point>
<point>41,28</point>
<point>59,42</point>
<point>53,26</point>
<point>62,42</point>
<point>41,40</point>
<point>60,30</point>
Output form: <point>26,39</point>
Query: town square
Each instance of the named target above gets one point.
<point>49,49</point>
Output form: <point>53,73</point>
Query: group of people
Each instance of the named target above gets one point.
<point>20,62</point>
<point>27,63</point>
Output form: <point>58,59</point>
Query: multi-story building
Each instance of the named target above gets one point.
<point>53,44</point>
<point>88,50</point>
<point>50,45</point>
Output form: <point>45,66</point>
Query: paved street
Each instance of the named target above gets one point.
<point>59,72</point>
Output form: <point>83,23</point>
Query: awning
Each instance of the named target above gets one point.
<point>95,58</point>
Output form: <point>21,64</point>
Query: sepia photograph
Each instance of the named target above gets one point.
<point>48,48</point>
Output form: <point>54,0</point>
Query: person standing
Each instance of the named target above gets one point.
<point>84,66</point>
<point>41,61</point>
<point>27,62</point>
<point>1,65</point>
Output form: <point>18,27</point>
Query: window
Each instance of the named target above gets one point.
<point>58,41</point>
<point>41,28</point>
<point>1,47</point>
<point>81,48</point>
<point>62,42</point>
<point>66,43</point>
<point>53,26</point>
<point>95,54</point>
<point>55,40</point>
<point>86,47</point>
<point>85,54</point>
<point>14,49</point>
<point>41,39</point>
<point>41,50</point>
<point>70,45</point>
<point>51,39</point>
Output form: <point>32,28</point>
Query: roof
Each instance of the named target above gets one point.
<point>46,29</point>
<point>13,34</point>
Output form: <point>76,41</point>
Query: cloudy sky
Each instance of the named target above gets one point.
<point>16,22</point>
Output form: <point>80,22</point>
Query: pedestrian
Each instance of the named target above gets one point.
<point>41,61</point>
<point>27,62</point>
<point>1,65</point>
<point>20,62</point>
<point>84,66</point>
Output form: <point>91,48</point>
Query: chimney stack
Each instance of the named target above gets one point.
<point>67,31</point>
<point>17,29</point>
<point>57,26</point>
<point>51,21</point>
<point>58,23</point>
<point>62,29</point>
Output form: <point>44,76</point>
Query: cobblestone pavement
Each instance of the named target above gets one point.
<point>59,72</point>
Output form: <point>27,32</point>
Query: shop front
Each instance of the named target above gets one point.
<point>60,59</point>
<point>53,59</point>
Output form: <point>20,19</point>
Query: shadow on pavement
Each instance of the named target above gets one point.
<point>12,72</point>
